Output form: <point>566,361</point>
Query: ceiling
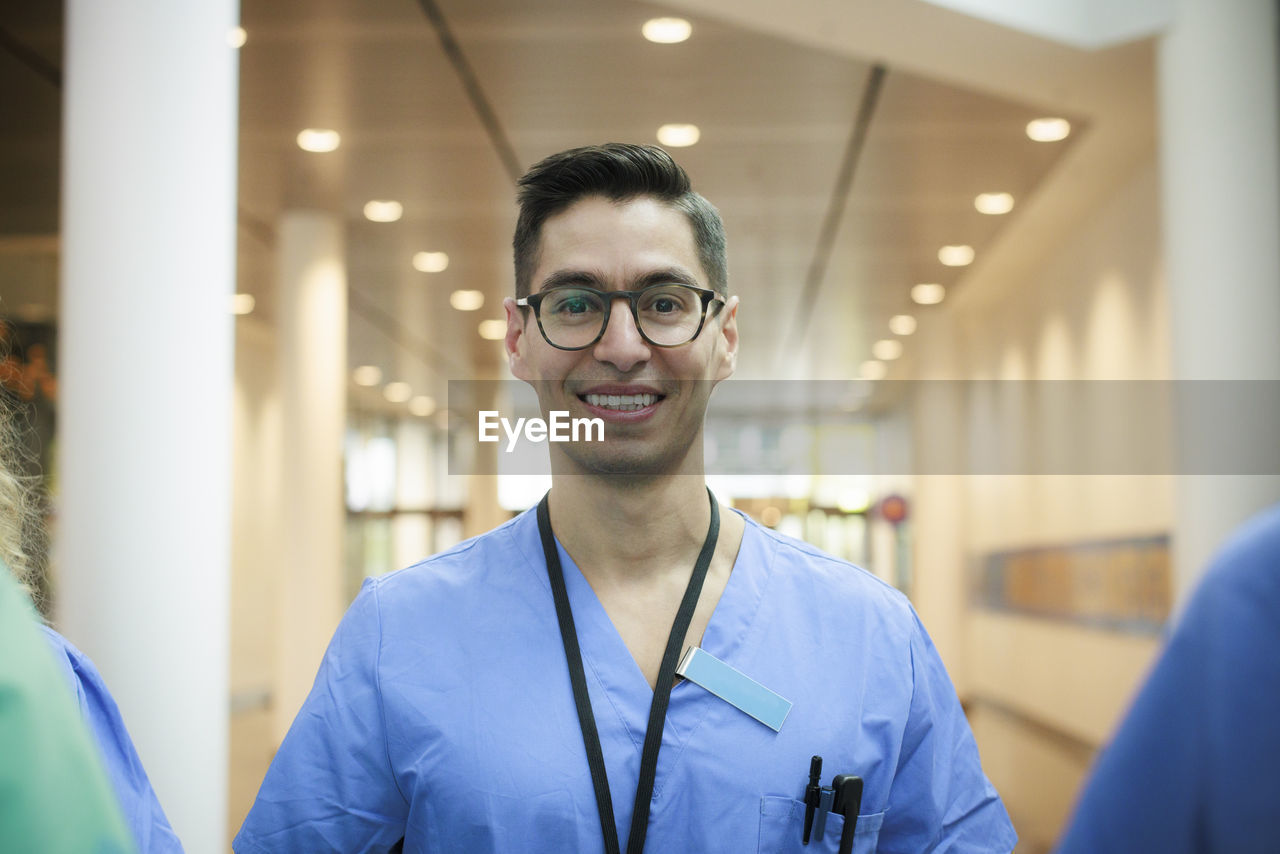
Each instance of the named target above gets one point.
<point>836,192</point>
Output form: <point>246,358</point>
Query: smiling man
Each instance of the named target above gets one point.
<point>519,692</point>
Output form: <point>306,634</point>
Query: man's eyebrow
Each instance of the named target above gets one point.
<point>572,278</point>
<point>669,276</point>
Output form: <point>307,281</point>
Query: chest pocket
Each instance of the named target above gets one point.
<point>782,829</point>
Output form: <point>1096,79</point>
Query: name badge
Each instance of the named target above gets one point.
<point>734,687</point>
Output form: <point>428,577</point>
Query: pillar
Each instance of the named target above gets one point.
<point>312,314</point>
<point>1220,172</point>
<point>148,268</point>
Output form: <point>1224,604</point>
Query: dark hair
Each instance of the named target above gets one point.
<point>618,172</point>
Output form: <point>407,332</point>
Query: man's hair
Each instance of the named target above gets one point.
<point>618,172</point>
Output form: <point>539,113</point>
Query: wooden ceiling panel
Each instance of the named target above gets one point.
<point>775,117</point>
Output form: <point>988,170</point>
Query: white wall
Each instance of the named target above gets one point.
<point>1043,693</point>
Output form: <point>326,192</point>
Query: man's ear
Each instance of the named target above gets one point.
<point>727,343</point>
<point>515,340</point>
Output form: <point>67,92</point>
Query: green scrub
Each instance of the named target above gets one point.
<point>54,794</point>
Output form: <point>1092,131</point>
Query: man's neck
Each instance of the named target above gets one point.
<point>626,528</point>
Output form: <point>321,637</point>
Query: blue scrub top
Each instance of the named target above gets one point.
<point>1195,766</point>
<point>142,812</point>
<point>443,713</point>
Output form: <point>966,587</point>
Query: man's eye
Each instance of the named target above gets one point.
<point>665,301</point>
<point>573,305</point>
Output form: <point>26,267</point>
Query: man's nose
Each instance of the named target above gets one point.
<point>621,345</point>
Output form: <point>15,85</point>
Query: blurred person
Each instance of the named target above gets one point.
<point>21,535</point>
<point>515,693</point>
<point>1192,768</point>
<point>54,794</point>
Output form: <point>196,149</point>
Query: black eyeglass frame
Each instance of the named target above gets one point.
<point>707,296</point>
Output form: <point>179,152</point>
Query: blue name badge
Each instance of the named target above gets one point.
<point>734,687</point>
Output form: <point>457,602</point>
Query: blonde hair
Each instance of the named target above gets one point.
<point>21,505</point>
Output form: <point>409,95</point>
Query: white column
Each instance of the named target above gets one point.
<point>1220,164</point>
<point>483,512</point>
<point>148,266</point>
<point>312,312</point>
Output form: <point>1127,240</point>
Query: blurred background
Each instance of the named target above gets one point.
<point>245,250</point>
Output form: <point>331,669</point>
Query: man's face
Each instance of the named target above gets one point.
<point>612,247</point>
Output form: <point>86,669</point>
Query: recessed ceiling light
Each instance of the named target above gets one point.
<point>237,37</point>
<point>493,330</point>
<point>872,370</point>
<point>666,30</point>
<point>902,324</point>
<point>383,210</point>
<point>397,392</point>
<point>466,300</point>
<point>928,293</point>
<point>1050,129</point>
<point>431,262</point>
<point>679,136</point>
<point>242,303</point>
<point>319,140</point>
<point>367,375</point>
<point>422,406</point>
<point>993,203</point>
<point>887,349</point>
<point>956,256</point>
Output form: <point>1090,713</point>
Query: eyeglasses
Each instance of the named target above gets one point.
<point>667,315</point>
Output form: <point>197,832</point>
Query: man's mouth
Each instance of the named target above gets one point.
<point>621,402</point>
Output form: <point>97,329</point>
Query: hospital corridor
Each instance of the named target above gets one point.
<point>965,313</point>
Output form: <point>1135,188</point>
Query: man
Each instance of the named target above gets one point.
<point>1192,768</point>
<point>515,693</point>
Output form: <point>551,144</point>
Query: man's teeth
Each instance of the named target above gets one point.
<point>623,402</point>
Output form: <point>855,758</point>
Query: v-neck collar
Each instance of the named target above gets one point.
<point>608,662</point>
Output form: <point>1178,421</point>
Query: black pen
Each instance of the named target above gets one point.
<point>812,794</point>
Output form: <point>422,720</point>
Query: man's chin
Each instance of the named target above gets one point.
<point>624,463</point>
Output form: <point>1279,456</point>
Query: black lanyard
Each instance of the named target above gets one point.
<point>661,691</point>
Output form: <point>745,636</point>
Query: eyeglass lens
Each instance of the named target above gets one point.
<point>667,315</point>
